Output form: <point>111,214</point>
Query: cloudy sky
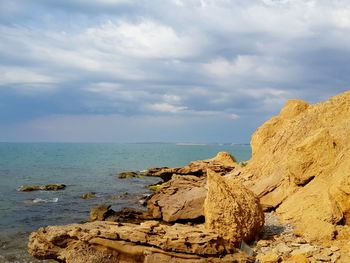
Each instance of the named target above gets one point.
<point>164,70</point>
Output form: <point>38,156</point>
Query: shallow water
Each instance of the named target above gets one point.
<point>83,168</point>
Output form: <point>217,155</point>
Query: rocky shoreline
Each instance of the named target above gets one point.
<point>289,203</point>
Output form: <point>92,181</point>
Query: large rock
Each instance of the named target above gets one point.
<point>149,242</point>
<point>231,209</point>
<point>181,198</point>
<point>301,165</point>
<point>222,163</point>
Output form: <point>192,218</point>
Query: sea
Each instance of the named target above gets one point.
<point>82,167</point>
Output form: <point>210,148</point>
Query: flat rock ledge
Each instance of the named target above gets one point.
<point>48,187</point>
<point>150,242</point>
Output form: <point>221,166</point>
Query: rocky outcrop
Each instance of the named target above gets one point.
<point>231,209</point>
<point>105,213</point>
<point>181,198</point>
<point>48,187</point>
<point>148,242</point>
<point>107,238</point>
<point>222,163</point>
<point>128,174</point>
<point>300,165</point>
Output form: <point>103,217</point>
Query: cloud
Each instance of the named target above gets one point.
<point>231,62</point>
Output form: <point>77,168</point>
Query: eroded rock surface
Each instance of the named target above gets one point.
<point>222,163</point>
<point>301,165</point>
<point>180,198</point>
<point>137,243</point>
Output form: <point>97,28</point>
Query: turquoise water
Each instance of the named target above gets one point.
<point>83,168</point>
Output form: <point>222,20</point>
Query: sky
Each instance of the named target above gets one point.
<point>199,71</point>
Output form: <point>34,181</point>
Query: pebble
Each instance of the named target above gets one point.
<point>335,257</point>
<point>280,242</point>
<point>327,252</point>
<point>322,257</point>
<point>263,243</point>
<point>334,248</point>
<point>305,249</point>
<point>282,248</point>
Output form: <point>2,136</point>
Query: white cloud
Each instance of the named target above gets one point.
<point>147,39</point>
<point>166,107</point>
<point>23,75</point>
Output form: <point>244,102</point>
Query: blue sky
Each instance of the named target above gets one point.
<point>164,70</point>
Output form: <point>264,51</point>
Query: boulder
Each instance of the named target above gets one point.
<point>181,198</point>
<point>147,242</point>
<point>231,209</point>
<point>49,187</point>
<point>300,165</point>
<point>100,213</point>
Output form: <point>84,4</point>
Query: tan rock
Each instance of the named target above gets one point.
<point>110,242</point>
<point>297,258</point>
<point>222,163</point>
<point>231,209</point>
<point>180,198</point>
<point>100,213</point>
<point>270,257</point>
<point>301,164</point>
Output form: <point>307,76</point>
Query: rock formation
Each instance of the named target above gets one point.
<point>231,209</point>
<point>222,163</point>
<point>301,165</point>
<point>180,198</point>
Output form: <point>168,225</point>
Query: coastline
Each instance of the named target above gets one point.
<point>297,175</point>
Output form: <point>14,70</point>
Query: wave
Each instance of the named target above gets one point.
<point>39,200</point>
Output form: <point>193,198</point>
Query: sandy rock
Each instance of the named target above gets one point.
<point>222,163</point>
<point>74,243</point>
<point>301,164</point>
<point>231,209</point>
<point>282,249</point>
<point>298,258</point>
<point>100,213</point>
<point>269,257</point>
<point>305,249</point>
<point>48,187</point>
<point>180,198</point>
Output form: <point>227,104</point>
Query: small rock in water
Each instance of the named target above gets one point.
<point>49,187</point>
<point>88,195</point>
<point>128,174</point>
